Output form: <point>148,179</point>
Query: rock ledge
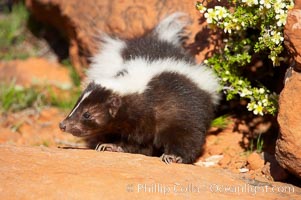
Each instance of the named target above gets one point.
<point>39,173</point>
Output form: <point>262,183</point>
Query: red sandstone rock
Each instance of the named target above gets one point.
<point>35,71</point>
<point>292,34</point>
<point>288,151</point>
<point>81,21</point>
<point>272,170</point>
<point>297,4</point>
<point>225,161</point>
<point>255,161</point>
<point>43,173</point>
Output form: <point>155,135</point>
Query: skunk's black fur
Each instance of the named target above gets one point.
<point>169,118</point>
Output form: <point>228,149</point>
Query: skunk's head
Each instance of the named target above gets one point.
<point>93,112</point>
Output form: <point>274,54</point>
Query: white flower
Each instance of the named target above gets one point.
<point>281,18</point>
<point>221,12</point>
<point>266,3</point>
<point>277,37</point>
<point>291,5</point>
<point>250,106</point>
<point>261,90</point>
<point>250,2</point>
<point>258,109</point>
<point>209,15</point>
<point>201,7</point>
<point>245,92</point>
<point>278,6</point>
<point>265,102</point>
<point>227,27</point>
<point>225,79</point>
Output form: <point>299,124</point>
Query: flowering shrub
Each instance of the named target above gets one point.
<point>251,27</point>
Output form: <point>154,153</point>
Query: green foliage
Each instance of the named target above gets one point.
<point>221,122</point>
<point>74,93</point>
<point>12,32</point>
<point>73,74</point>
<point>14,98</point>
<point>16,42</point>
<point>251,28</point>
<point>12,26</point>
<point>64,103</point>
<point>259,144</point>
<point>251,147</point>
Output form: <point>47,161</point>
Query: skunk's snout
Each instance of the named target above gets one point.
<point>62,126</point>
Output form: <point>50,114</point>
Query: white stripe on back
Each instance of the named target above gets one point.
<point>141,71</point>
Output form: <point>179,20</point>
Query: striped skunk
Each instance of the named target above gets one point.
<point>146,95</point>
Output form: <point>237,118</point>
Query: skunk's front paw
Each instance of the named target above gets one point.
<point>171,158</point>
<point>109,147</point>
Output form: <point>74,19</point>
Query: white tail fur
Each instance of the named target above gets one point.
<point>108,61</point>
<point>171,28</point>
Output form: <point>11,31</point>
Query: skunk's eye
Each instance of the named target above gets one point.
<point>86,115</point>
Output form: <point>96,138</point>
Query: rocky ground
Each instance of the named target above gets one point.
<point>52,173</point>
<point>38,160</point>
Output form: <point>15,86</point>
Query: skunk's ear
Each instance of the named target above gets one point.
<point>114,103</point>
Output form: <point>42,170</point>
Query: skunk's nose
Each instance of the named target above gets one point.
<point>62,126</point>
